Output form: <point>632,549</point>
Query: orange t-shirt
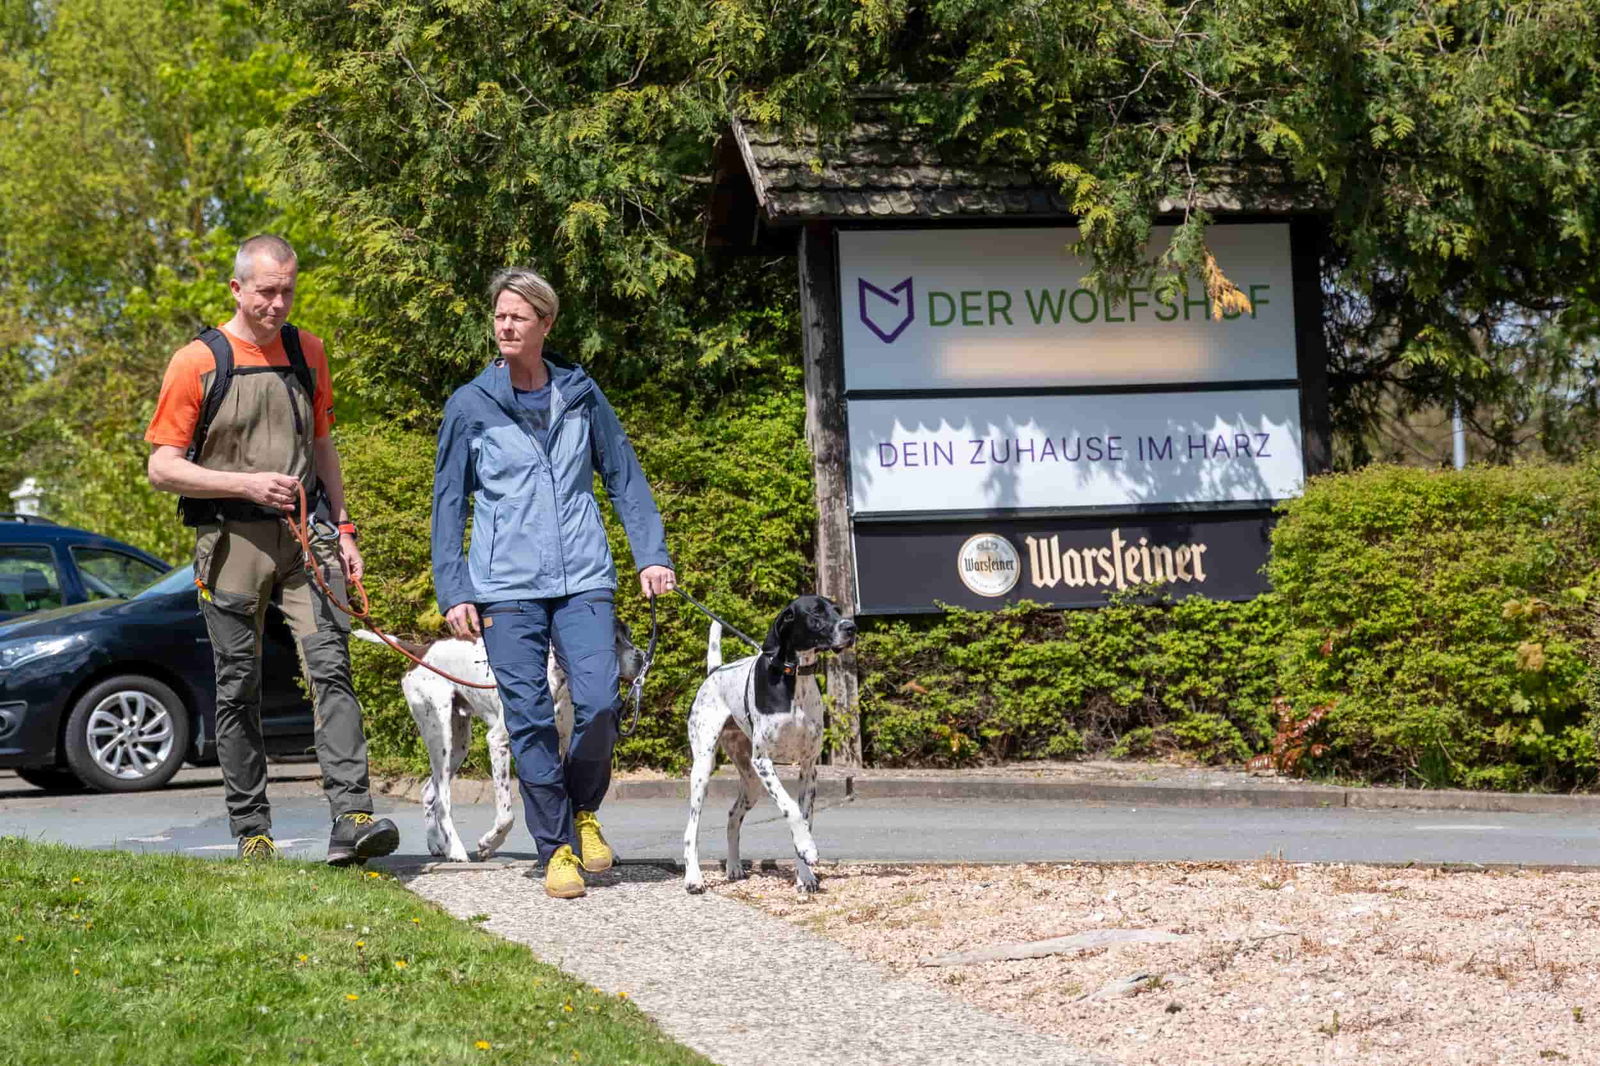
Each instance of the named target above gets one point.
<point>182,394</point>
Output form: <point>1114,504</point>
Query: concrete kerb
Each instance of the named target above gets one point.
<point>1025,789</point>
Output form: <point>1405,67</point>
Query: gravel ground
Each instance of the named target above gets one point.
<point>1281,963</point>
<point>737,985</point>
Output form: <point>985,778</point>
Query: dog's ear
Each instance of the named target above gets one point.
<point>777,640</point>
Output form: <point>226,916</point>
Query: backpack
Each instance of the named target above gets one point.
<point>197,512</point>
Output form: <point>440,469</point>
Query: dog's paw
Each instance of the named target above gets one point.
<point>694,884</point>
<point>736,871</point>
<point>484,853</point>
<point>805,880</point>
<point>459,855</point>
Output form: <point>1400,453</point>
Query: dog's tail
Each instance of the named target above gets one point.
<point>370,637</point>
<point>714,647</point>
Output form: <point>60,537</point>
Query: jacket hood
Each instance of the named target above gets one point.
<point>568,383</point>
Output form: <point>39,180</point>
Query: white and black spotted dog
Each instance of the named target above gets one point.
<point>764,709</point>
<point>444,710</point>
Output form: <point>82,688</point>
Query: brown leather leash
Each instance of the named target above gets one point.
<point>304,530</point>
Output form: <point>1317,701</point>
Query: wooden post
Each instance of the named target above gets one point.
<point>830,454</point>
<point>1306,237</point>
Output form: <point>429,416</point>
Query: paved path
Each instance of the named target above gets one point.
<point>190,819</point>
<point>741,987</point>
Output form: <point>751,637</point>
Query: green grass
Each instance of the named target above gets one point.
<point>107,957</point>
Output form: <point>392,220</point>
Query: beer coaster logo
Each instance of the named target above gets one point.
<point>989,565</point>
<point>888,322</point>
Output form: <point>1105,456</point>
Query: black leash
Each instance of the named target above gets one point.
<point>724,623</point>
<point>636,686</point>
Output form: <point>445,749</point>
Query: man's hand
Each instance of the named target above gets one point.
<point>350,556</point>
<point>271,490</point>
<point>463,620</point>
<point>657,581</point>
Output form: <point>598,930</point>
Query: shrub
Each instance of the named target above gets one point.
<point>1441,615</point>
<point>1196,676</point>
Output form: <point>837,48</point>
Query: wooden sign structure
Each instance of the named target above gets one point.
<point>1008,423</point>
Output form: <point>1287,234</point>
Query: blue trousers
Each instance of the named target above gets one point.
<point>518,635</point>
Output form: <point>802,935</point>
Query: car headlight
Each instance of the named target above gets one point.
<point>13,653</point>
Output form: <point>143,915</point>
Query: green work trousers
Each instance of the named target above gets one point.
<point>241,568</point>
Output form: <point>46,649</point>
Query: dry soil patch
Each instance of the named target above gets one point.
<point>1281,963</point>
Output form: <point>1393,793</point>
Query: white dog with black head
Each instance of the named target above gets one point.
<point>764,709</point>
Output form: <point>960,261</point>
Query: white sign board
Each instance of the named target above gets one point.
<point>1043,451</point>
<point>986,308</point>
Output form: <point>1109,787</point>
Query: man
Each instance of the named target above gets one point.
<point>238,473</point>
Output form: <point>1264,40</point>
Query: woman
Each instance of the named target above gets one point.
<point>523,439</point>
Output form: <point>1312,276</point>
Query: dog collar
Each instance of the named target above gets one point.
<point>794,670</point>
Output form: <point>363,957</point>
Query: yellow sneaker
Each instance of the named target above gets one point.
<point>597,854</point>
<point>562,879</point>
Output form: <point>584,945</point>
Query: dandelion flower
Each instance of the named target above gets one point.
<point>567,1007</point>
<point>76,973</point>
<point>77,880</point>
<point>483,1045</point>
<point>399,964</point>
<point>374,874</point>
<point>300,958</point>
<point>418,921</point>
<point>21,938</point>
<point>361,943</point>
<point>351,996</point>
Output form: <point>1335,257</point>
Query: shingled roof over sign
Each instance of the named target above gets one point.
<point>880,172</point>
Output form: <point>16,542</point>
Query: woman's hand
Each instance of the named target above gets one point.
<point>463,620</point>
<point>657,581</point>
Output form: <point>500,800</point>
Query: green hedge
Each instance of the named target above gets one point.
<point>1128,679</point>
<point>1444,619</point>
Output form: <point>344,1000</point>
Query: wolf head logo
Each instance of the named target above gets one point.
<point>900,303</point>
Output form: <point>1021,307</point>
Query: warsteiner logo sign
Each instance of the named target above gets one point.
<point>988,565</point>
<point>887,312</point>
<point>917,565</point>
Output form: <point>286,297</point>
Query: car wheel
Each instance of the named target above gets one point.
<point>127,734</point>
<point>51,778</point>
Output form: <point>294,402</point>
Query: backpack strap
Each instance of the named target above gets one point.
<point>221,380</point>
<point>297,361</point>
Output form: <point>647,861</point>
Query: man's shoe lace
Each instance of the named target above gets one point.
<point>259,847</point>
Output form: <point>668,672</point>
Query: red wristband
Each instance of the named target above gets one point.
<point>347,529</point>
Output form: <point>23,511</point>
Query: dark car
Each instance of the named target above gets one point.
<point>43,565</point>
<point>111,684</point>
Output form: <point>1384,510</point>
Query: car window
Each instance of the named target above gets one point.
<point>111,574</point>
<point>178,579</point>
<point>28,578</point>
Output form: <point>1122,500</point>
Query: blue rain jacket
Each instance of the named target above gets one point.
<point>536,529</point>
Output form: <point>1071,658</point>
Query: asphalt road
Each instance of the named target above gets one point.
<point>188,817</point>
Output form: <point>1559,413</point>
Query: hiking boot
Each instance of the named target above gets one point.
<point>596,852</point>
<point>358,837</point>
<point>257,846</point>
<point>562,878</point>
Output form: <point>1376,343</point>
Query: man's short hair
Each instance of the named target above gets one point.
<point>269,244</point>
<point>530,286</point>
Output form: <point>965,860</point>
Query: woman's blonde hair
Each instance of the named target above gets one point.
<point>530,286</point>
